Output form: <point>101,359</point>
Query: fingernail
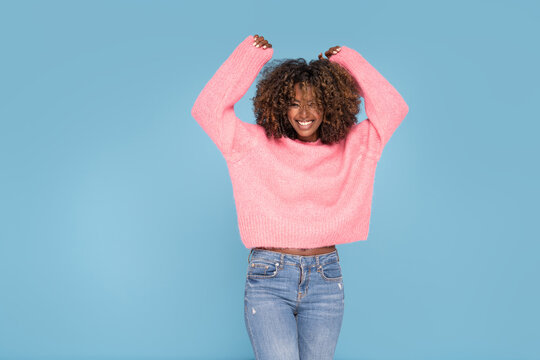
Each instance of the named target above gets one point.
<point>264,47</point>
<point>254,43</point>
<point>257,46</point>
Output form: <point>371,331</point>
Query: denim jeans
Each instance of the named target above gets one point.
<point>293,305</point>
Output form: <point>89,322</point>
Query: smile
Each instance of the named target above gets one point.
<point>304,125</point>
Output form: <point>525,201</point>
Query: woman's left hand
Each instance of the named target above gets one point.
<point>332,51</point>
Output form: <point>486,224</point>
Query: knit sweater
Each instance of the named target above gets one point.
<point>290,193</point>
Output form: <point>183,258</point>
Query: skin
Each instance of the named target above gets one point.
<point>301,110</point>
<point>304,109</point>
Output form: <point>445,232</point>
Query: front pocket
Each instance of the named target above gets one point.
<point>260,269</point>
<point>331,271</point>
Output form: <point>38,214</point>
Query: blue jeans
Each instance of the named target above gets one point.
<point>293,305</point>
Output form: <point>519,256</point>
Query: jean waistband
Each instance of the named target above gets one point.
<point>275,256</point>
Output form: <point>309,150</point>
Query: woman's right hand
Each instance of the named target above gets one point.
<point>261,42</point>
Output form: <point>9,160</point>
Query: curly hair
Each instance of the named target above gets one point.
<point>336,92</point>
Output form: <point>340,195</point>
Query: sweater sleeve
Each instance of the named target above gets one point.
<point>214,107</point>
<point>385,108</point>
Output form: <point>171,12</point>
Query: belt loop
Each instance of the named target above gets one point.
<point>250,252</point>
<point>337,255</point>
<point>317,258</point>
<point>282,261</point>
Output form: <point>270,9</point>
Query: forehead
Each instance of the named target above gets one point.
<point>305,92</point>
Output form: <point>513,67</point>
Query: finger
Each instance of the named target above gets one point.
<point>257,39</point>
<point>320,56</point>
<point>260,41</point>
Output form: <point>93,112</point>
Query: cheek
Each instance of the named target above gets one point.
<point>290,115</point>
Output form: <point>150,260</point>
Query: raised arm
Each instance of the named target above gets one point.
<point>384,106</point>
<point>214,107</point>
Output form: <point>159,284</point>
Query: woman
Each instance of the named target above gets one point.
<point>302,179</point>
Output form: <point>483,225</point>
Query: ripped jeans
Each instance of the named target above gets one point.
<point>293,305</point>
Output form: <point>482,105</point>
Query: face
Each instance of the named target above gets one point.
<point>304,115</point>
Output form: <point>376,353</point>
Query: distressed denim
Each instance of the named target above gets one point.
<point>293,305</point>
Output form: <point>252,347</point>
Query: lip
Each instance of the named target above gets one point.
<point>305,127</point>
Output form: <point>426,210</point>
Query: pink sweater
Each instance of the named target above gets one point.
<point>290,193</point>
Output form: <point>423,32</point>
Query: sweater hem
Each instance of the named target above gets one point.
<point>258,231</point>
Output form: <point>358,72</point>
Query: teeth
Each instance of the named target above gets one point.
<point>305,123</point>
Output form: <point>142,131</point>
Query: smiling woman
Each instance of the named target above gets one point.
<point>299,189</point>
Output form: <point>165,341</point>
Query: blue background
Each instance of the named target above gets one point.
<point>118,236</point>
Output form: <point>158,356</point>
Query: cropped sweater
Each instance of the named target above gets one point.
<point>290,193</point>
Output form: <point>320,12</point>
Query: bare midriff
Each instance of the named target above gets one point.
<point>303,252</point>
